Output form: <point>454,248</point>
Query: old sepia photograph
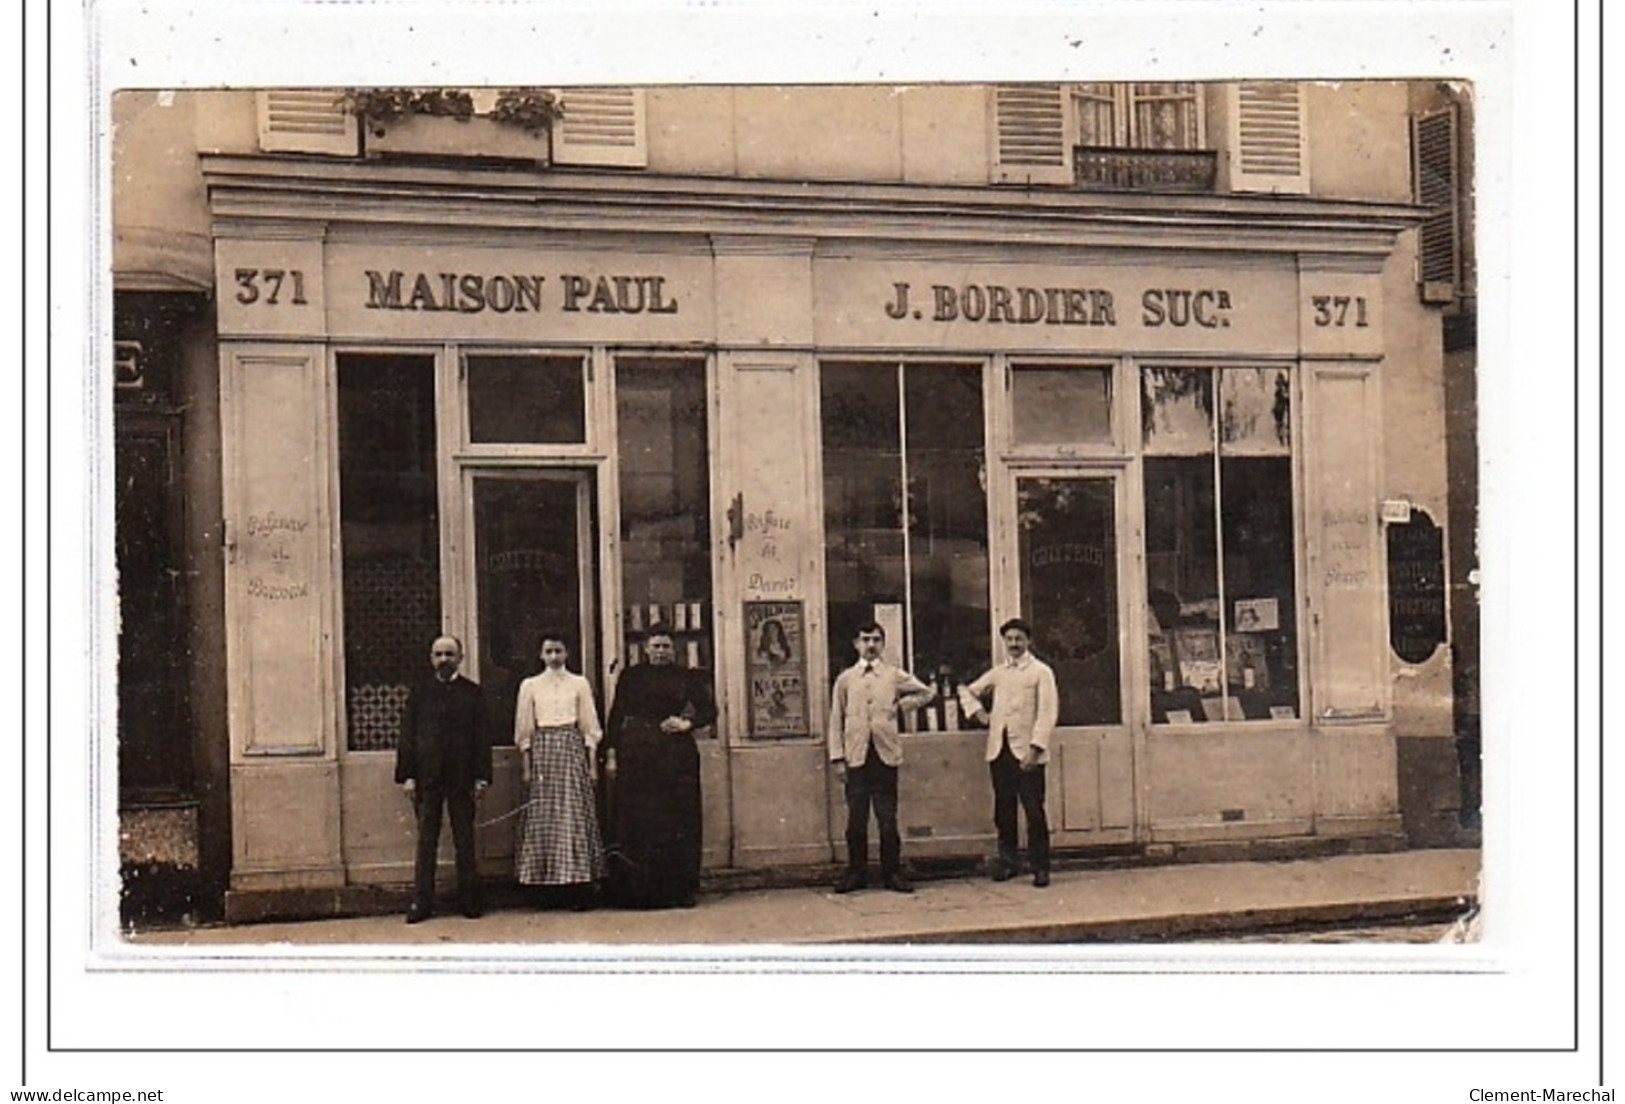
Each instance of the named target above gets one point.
<point>767,545</point>
<point>947,513</point>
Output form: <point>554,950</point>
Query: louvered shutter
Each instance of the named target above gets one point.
<point>1032,134</point>
<point>1436,163</point>
<point>306,121</point>
<point>1269,149</point>
<point>601,126</point>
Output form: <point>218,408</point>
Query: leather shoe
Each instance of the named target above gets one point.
<point>1003,873</point>
<point>850,882</point>
<point>1041,878</point>
<point>898,884</point>
<point>417,914</point>
<point>473,912</point>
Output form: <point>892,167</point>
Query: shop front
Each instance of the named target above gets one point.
<point>1149,425</point>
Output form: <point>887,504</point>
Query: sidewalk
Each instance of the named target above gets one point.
<point>1181,901</point>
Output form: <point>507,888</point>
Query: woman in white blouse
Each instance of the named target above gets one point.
<point>556,731</point>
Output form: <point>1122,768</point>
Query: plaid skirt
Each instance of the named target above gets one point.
<point>559,842</point>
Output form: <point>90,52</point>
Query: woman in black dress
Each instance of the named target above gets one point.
<point>652,767</point>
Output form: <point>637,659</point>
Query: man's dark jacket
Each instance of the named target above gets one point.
<point>443,743</point>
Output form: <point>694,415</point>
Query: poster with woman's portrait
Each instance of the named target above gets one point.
<point>777,662</point>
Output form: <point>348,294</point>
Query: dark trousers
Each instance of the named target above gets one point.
<point>461,805</point>
<point>1010,785</point>
<point>873,783</point>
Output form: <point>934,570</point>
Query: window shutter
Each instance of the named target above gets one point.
<point>306,121</point>
<point>1032,141</point>
<point>601,126</point>
<point>1269,149</point>
<point>1436,163</point>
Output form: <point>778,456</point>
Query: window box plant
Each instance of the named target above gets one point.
<point>506,124</point>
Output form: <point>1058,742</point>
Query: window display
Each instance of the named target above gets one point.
<point>1221,580</point>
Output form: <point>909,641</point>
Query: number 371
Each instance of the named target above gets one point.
<point>264,285</point>
<point>1333,310</point>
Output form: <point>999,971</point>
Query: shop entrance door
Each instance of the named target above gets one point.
<point>1067,563</point>
<point>534,568</point>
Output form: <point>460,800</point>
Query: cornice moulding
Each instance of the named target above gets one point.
<point>356,196</point>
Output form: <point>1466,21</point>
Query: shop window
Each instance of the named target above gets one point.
<point>665,486</point>
<point>905,513</point>
<point>1061,405</point>
<point>1220,574</point>
<point>389,536</point>
<point>526,399</point>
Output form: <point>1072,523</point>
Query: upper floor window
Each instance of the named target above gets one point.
<point>1164,115</point>
<point>1159,136</point>
<point>601,126</point>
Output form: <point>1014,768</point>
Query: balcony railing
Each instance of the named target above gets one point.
<point>1113,169</point>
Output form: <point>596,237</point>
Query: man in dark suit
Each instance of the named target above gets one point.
<point>444,758</point>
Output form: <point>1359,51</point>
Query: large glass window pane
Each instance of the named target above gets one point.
<point>947,517</point>
<point>919,559</point>
<point>665,503</point>
<point>1067,553</point>
<point>1182,588</point>
<point>390,537</point>
<point>1261,639</point>
<point>1061,405</point>
<point>1220,569</point>
<point>526,399</point>
<point>1176,411</point>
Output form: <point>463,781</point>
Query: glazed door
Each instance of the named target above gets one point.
<point>533,568</point>
<point>1067,568</point>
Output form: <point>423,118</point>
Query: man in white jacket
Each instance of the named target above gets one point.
<point>1024,711</point>
<point>865,751</point>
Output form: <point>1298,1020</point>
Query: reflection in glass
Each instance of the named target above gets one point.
<point>1176,411</point>
<point>526,399</point>
<point>924,554</point>
<point>1061,405</point>
<point>389,536</point>
<point>1067,553</point>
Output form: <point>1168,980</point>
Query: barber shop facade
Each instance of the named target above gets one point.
<point>1172,431</point>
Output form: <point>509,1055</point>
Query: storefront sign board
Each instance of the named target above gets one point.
<point>1244,309</point>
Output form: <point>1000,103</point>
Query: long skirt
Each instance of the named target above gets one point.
<point>654,822</point>
<point>559,842</point>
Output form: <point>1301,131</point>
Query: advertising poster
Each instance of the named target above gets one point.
<point>777,661</point>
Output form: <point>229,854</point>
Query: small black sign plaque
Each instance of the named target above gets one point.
<point>1416,621</point>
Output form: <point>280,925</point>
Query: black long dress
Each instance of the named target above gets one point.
<point>654,800</point>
